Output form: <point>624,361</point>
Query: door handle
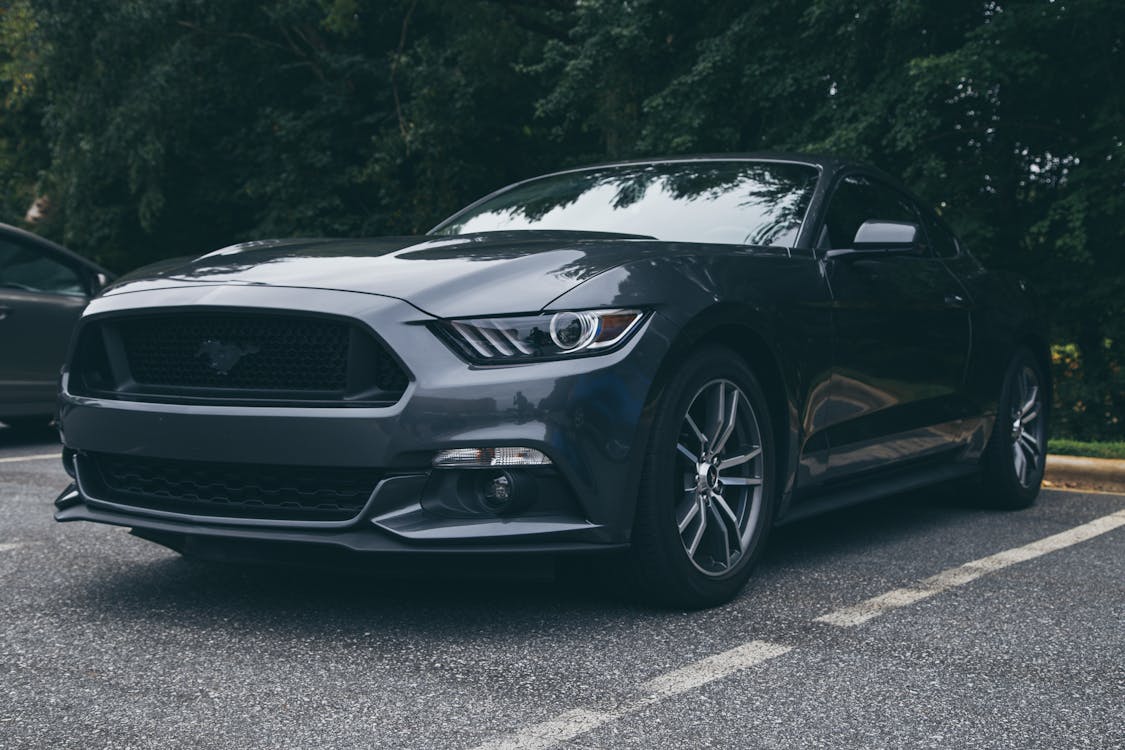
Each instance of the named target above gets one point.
<point>5,312</point>
<point>955,300</point>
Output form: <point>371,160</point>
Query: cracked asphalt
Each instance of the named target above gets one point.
<point>107,641</point>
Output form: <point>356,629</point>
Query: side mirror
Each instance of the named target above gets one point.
<point>886,235</point>
<point>94,282</point>
<point>880,238</point>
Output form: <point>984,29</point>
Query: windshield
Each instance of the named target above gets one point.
<point>730,202</point>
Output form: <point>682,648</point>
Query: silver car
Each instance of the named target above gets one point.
<point>43,289</point>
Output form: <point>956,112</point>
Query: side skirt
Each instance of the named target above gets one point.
<point>873,489</point>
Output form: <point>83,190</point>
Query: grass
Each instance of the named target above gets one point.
<point>1109,449</point>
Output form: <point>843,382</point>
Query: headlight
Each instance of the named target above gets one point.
<point>549,336</point>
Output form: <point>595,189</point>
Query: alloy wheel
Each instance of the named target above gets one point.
<point>720,466</point>
<point>1027,426</point>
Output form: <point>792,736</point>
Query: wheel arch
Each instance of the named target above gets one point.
<point>1041,350</point>
<point>730,327</point>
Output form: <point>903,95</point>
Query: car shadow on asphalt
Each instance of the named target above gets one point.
<point>439,594</point>
<point>29,436</point>
<point>886,521</point>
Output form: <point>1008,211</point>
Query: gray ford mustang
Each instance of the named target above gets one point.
<point>667,357</point>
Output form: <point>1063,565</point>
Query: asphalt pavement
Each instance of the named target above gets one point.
<point>911,622</point>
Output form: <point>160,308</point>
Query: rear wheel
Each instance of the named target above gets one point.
<point>1016,455</point>
<point>706,501</point>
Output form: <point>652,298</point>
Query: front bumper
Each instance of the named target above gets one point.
<point>257,542</point>
<point>588,415</point>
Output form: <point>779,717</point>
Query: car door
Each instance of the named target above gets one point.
<point>41,297</point>
<point>901,339</point>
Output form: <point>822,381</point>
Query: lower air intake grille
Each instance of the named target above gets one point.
<point>292,493</point>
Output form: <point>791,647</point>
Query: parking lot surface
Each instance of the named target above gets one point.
<point>909,622</point>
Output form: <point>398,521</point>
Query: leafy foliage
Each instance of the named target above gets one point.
<point>1064,447</point>
<point>166,127</point>
<point>22,152</point>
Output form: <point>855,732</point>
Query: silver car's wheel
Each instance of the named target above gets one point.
<point>720,489</point>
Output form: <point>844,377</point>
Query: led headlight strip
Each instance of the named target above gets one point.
<point>545,336</point>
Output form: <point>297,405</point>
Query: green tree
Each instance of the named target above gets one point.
<point>176,126</point>
<point>23,150</point>
<point>1006,116</point>
<point>167,127</point>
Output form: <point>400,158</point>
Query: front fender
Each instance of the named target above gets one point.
<point>771,308</point>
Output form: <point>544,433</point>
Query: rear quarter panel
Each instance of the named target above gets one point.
<point>1006,314</point>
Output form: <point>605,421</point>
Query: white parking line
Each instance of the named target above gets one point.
<point>712,668</point>
<point>9,546</point>
<point>857,614</point>
<point>566,726</point>
<point>576,722</point>
<point>549,733</point>
<point>36,457</point>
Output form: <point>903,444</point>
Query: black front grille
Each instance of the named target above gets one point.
<point>233,355</point>
<point>230,351</point>
<point>230,490</point>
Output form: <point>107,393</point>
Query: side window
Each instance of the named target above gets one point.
<point>858,199</point>
<point>941,238</point>
<point>23,267</point>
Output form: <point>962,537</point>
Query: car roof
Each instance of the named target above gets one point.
<point>8,229</point>
<point>816,160</point>
<point>827,164</point>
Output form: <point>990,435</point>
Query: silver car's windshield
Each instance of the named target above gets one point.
<point>729,202</point>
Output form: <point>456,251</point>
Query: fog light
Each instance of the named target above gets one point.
<point>467,458</point>
<point>497,492</point>
<point>500,493</point>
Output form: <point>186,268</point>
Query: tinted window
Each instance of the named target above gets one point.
<point>24,267</point>
<point>856,200</point>
<point>743,203</point>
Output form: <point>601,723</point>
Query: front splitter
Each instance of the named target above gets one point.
<point>360,540</point>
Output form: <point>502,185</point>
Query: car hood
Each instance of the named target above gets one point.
<point>443,276</point>
<point>464,275</point>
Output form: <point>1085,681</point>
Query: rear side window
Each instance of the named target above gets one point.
<point>942,239</point>
<point>27,269</point>
<point>858,199</point>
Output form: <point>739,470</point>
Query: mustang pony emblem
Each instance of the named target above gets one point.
<point>222,358</point>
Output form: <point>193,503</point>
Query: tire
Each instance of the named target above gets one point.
<point>695,547</point>
<point>1013,462</point>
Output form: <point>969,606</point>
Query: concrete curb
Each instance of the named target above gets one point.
<point>1091,473</point>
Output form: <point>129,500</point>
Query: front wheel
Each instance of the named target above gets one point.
<point>707,491</point>
<point>1015,458</point>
